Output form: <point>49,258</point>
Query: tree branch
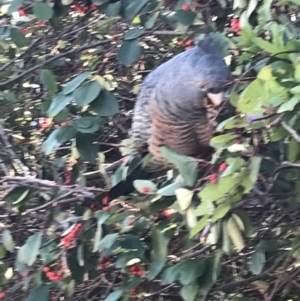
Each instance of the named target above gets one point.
<point>293,133</point>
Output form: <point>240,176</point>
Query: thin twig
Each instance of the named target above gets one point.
<point>293,133</point>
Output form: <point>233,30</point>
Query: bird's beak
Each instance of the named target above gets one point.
<point>216,99</point>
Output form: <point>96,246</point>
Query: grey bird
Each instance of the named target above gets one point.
<point>178,104</point>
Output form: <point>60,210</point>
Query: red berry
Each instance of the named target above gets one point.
<point>238,141</point>
<point>180,43</point>
<point>222,167</point>
<point>213,178</point>
<point>188,47</point>
<point>46,269</point>
<point>130,223</point>
<point>189,42</point>
<point>185,7</point>
<point>22,12</point>
<point>167,213</point>
<point>105,200</point>
<point>145,189</point>
<point>106,208</point>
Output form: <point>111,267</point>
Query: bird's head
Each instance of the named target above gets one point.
<point>213,73</point>
<point>213,79</point>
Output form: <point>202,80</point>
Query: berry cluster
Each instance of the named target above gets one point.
<point>2,295</point>
<point>63,124</point>
<point>45,123</point>
<point>188,44</point>
<point>68,240</point>
<point>40,23</point>
<point>67,176</point>
<point>82,9</point>
<point>133,291</point>
<point>185,7</point>
<point>53,275</point>
<point>22,11</point>
<point>213,178</point>
<point>136,270</point>
<point>106,261</point>
<point>24,30</point>
<point>235,25</point>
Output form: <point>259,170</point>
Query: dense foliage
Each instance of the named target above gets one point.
<point>69,75</point>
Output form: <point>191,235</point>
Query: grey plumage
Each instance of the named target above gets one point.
<point>172,102</point>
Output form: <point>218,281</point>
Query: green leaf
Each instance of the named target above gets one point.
<point>134,8</point>
<point>234,164</point>
<point>232,123</point>
<point>293,150</point>
<point>8,240</point>
<point>220,212</point>
<point>151,21</point>
<point>40,293</point>
<point>18,37</point>
<point>187,166</point>
<point>114,296</point>
<point>185,17</point>
<point>170,189</point>
<point>235,234</point>
<point>189,292</point>
<point>134,33</point>
<point>86,93</point>
<point>200,225</point>
<point>215,192</point>
<point>190,270</point>
<point>155,268</point>
<point>113,9</point>
<point>30,250</point>
<point>66,133</point>
<point>254,168</point>
<point>98,235</point>
<point>289,105</point>
<point>172,273</point>
<point>184,197</point>
<point>107,241</point>
<point>191,218</point>
<point>267,246</point>
<point>295,90</point>
<point>85,144</point>
<point>89,124</point>
<point>140,185</point>
<point>160,244</point>
<point>248,228</point>
<point>106,104</point>
<point>75,82</point>
<point>130,52</point>
<point>16,195</point>
<point>256,262</point>
<point>14,6</point>
<point>58,104</point>
<point>80,255</point>
<point>223,140</point>
<point>48,79</point>
<point>226,242</point>
<point>205,208</point>
<point>251,7</point>
<point>2,251</point>
<point>51,142</point>
<point>42,11</point>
